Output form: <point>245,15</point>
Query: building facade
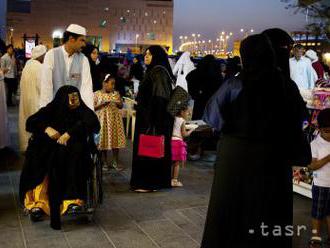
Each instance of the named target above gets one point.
<point>111,24</point>
<point>3,19</point>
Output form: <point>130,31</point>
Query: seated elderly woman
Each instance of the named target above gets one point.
<point>58,162</point>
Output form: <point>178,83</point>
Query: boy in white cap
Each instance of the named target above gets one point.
<point>66,65</point>
<point>30,92</point>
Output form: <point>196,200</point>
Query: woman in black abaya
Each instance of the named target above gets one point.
<point>202,83</point>
<point>58,161</point>
<point>149,174</point>
<point>252,175</point>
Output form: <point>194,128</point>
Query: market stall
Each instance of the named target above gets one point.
<point>303,177</point>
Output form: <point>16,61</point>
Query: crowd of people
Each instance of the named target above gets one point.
<point>71,101</point>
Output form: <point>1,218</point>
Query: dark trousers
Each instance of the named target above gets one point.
<point>11,85</point>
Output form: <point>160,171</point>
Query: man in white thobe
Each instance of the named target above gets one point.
<point>301,69</point>
<point>66,65</point>
<point>30,92</point>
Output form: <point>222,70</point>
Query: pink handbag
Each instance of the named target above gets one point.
<point>151,146</point>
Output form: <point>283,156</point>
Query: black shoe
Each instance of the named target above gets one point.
<point>36,214</point>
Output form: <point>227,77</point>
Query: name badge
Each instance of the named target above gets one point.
<point>75,76</point>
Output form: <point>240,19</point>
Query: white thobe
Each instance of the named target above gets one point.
<point>303,73</point>
<point>29,98</point>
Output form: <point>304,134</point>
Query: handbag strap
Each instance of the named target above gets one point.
<point>153,130</point>
<point>164,68</point>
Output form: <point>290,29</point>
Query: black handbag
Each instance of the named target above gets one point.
<point>179,97</point>
<point>179,100</point>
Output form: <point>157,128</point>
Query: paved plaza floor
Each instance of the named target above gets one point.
<point>170,218</point>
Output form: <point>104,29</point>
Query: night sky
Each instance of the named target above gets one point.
<point>209,17</point>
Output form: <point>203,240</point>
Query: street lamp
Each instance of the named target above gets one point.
<point>181,40</point>
<point>136,41</point>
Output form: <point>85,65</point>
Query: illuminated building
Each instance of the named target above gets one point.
<point>111,24</point>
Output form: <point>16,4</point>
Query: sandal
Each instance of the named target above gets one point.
<point>315,242</point>
<point>176,183</point>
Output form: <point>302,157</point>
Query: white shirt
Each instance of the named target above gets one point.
<point>46,89</point>
<point>321,149</point>
<point>9,63</point>
<point>177,128</point>
<point>302,73</point>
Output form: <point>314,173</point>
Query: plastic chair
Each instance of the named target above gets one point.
<point>130,114</point>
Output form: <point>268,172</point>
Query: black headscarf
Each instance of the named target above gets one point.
<point>282,44</point>
<point>159,57</point>
<point>209,69</point>
<point>258,59</point>
<point>87,51</point>
<point>263,84</point>
<point>208,65</point>
<point>60,102</point>
<point>95,72</point>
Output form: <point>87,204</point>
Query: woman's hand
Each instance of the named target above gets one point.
<point>52,133</point>
<point>63,139</point>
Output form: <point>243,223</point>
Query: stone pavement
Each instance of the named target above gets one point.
<point>170,218</point>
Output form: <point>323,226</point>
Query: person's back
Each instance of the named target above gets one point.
<point>30,92</point>
<point>247,113</point>
<point>202,83</point>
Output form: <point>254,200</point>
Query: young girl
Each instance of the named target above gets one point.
<point>179,147</point>
<point>107,103</point>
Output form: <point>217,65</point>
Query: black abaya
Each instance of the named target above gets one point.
<point>260,118</point>
<point>67,167</point>
<point>154,94</point>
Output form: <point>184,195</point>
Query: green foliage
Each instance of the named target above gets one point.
<point>317,10</point>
